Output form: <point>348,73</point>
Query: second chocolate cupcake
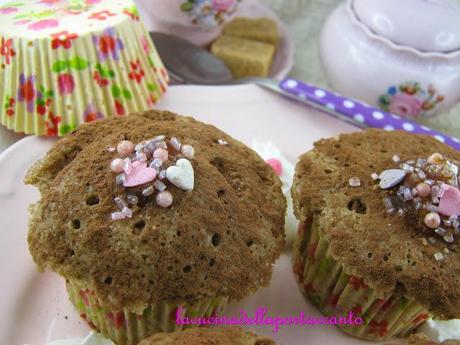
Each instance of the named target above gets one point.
<point>379,232</point>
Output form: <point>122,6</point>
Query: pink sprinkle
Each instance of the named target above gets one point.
<point>450,201</point>
<point>125,148</point>
<point>164,199</point>
<point>139,175</point>
<point>128,168</point>
<point>117,165</point>
<point>276,165</point>
<point>161,154</point>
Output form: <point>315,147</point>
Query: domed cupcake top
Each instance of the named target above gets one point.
<point>368,193</point>
<point>208,336</point>
<point>219,236</point>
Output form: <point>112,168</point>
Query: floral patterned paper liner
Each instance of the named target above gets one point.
<point>126,327</point>
<point>80,78</point>
<point>322,279</point>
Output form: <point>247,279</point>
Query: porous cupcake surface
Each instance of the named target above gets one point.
<point>209,336</point>
<point>219,239</point>
<point>386,249</point>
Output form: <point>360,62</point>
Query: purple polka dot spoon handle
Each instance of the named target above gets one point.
<point>357,112</point>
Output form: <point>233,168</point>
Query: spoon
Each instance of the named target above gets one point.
<point>191,64</point>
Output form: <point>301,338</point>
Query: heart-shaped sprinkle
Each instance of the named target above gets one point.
<point>139,174</point>
<point>181,175</point>
<point>450,201</point>
<point>391,177</point>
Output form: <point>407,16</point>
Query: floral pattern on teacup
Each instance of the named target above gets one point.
<point>410,99</point>
<point>209,12</point>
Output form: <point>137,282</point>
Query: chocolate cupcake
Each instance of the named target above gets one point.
<point>208,336</point>
<point>151,212</point>
<point>379,230</point>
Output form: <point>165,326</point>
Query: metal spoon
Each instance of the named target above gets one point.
<point>190,64</point>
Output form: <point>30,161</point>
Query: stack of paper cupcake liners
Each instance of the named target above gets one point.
<point>57,79</point>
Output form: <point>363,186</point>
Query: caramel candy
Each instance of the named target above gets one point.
<point>244,58</point>
<point>257,29</point>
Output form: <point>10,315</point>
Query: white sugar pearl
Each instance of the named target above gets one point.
<point>125,148</point>
<point>164,199</point>
<point>161,154</point>
<point>117,165</point>
<point>187,151</point>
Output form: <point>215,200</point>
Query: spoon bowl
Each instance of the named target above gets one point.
<point>188,63</point>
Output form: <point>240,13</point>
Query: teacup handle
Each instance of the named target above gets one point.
<point>357,112</point>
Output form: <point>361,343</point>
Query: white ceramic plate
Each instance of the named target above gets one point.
<point>284,57</point>
<point>34,308</point>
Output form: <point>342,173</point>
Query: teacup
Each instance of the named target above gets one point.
<point>208,13</point>
<point>199,21</point>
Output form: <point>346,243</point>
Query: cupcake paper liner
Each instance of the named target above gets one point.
<point>126,327</point>
<point>74,62</point>
<point>324,282</point>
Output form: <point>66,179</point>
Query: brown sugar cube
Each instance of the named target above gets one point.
<point>244,58</point>
<point>258,29</point>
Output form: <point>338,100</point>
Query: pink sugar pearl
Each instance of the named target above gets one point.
<point>187,151</point>
<point>164,199</point>
<point>161,154</point>
<point>125,148</point>
<point>117,165</point>
<point>423,190</point>
<point>432,220</point>
<point>276,165</point>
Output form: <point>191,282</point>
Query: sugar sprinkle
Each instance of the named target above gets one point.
<point>354,182</point>
<point>135,160</point>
